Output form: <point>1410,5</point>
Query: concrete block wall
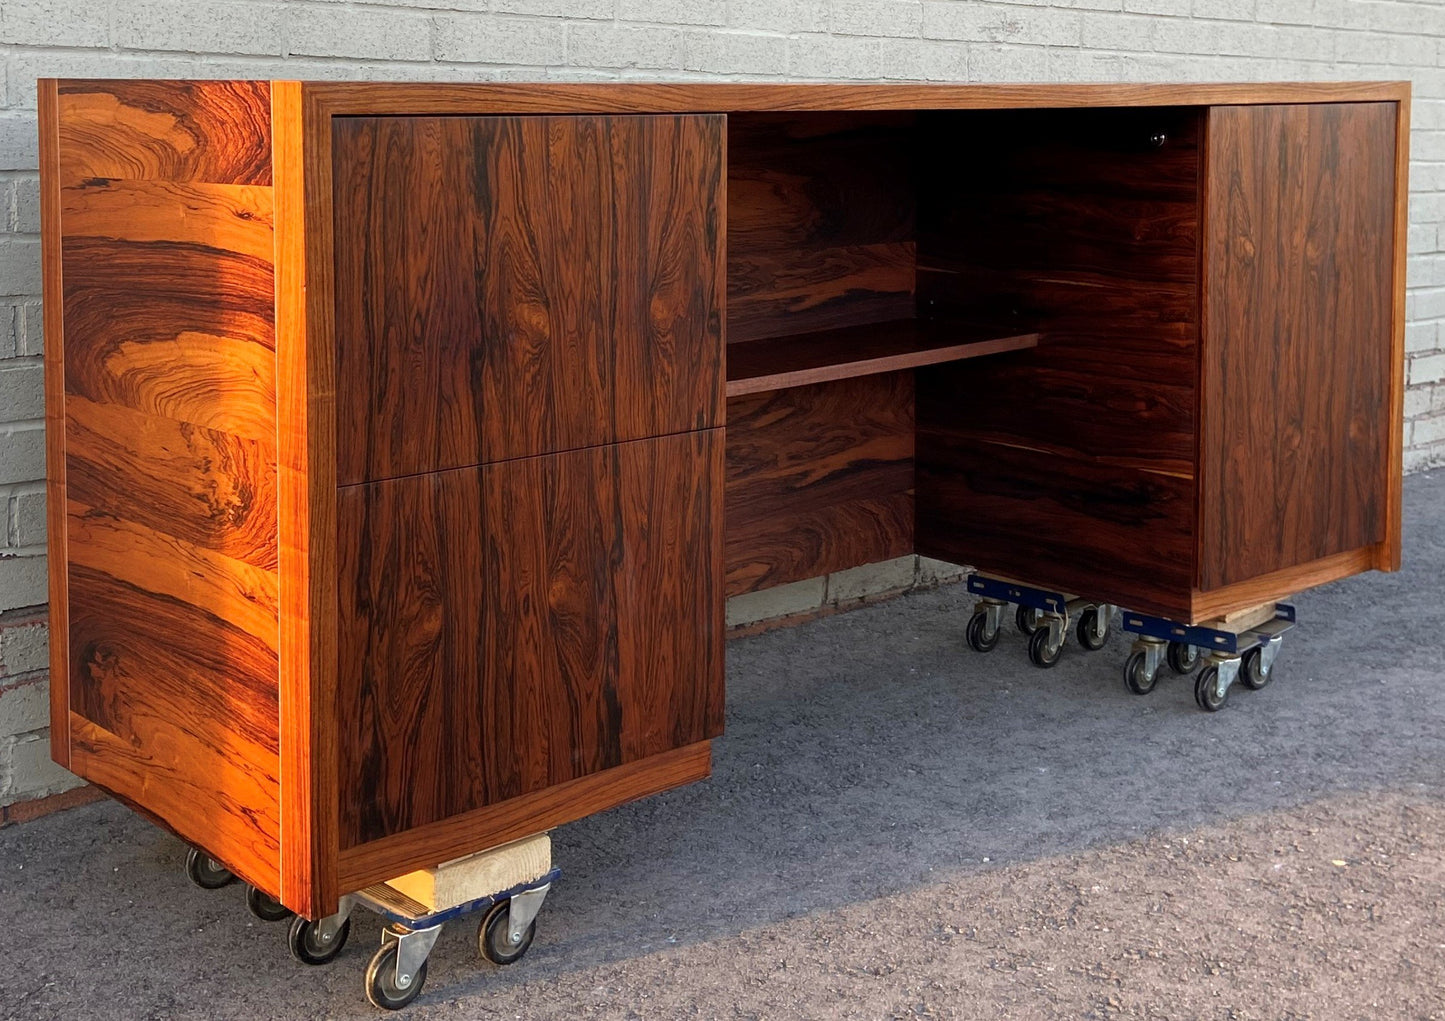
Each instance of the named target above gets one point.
<point>521,40</point>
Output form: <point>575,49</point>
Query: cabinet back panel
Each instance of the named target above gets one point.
<point>820,221</point>
<point>819,478</point>
<point>1297,354</point>
<point>508,628</point>
<point>1079,225</point>
<point>509,286</point>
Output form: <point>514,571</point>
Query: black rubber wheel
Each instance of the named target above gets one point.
<point>206,872</point>
<point>1026,619</point>
<point>1085,630</point>
<point>1136,678</point>
<point>307,946</point>
<point>264,908</point>
<point>977,633</point>
<point>1039,654</point>
<point>1205,690</point>
<point>1183,657</point>
<point>492,936</point>
<point>1251,674</point>
<point>381,987</point>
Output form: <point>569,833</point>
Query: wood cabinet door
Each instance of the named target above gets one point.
<point>509,628</point>
<point>1295,412</point>
<point>510,286</point>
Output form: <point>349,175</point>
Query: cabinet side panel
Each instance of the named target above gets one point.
<point>510,628</point>
<point>1296,357</point>
<point>170,456</point>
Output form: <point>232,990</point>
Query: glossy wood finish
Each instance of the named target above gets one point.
<point>168,456</point>
<point>1387,554</point>
<point>509,628</point>
<point>1296,362</point>
<point>515,286</point>
<point>820,222</point>
<point>522,816</point>
<point>781,362</point>
<point>819,478</point>
<point>1084,226</point>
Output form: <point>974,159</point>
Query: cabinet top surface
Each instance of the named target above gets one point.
<point>351,98</point>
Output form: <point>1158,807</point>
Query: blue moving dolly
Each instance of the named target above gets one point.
<point>1043,615</point>
<point>1246,656</point>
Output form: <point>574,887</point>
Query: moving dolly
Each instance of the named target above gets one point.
<point>397,971</point>
<point>1243,651</point>
<point>1043,615</point>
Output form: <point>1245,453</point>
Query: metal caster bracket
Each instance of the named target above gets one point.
<point>1213,639</point>
<point>413,947</point>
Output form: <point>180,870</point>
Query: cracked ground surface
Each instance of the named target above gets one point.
<point>898,827</point>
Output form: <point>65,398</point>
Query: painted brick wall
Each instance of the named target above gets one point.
<point>474,40</point>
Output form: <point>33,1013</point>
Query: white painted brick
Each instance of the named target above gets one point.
<point>483,39</point>
<point>778,15</point>
<point>24,708</point>
<point>876,17</point>
<point>22,457</point>
<point>601,45</point>
<point>674,12</point>
<point>1427,369</point>
<point>1425,270</point>
<point>25,213</point>
<point>199,27</point>
<point>1119,32</point>
<point>22,581</point>
<point>29,328</point>
<point>1172,8</point>
<point>27,771</point>
<point>1428,431</point>
<point>1071,65</point>
<point>22,391</point>
<point>1000,24</point>
<point>372,33</point>
<point>1287,12</point>
<point>28,517</point>
<point>19,141</point>
<point>55,23</point>
<point>1422,336</point>
<point>933,60</point>
<point>24,648</point>
<point>573,9</point>
<point>1428,303</point>
<point>1419,401</point>
<point>821,56</point>
<point>10,326</point>
<point>1240,10</point>
<point>735,53</point>
<point>778,601</point>
<point>1007,63</point>
<point>19,266</point>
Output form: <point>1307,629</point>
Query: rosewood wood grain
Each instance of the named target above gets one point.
<point>516,286</point>
<point>1387,557</point>
<point>1281,584</point>
<point>164,386</point>
<point>370,98</point>
<point>1121,535</point>
<point>781,362</point>
<point>508,628</point>
<point>819,478</point>
<point>820,222</point>
<point>197,132</point>
<point>54,358</point>
<point>567,802</point>
<point>1297,336</point>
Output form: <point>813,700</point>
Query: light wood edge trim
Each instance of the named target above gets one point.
<point>53,310</point>
<point>1281,584</point>
<point>1387,556</point>
<point>427,846</point>
<point>1201,336</point>
<point>416,98</point>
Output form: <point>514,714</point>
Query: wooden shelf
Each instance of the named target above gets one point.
<point>777,363</point>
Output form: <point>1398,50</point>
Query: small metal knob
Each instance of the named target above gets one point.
<point>1158,139</point>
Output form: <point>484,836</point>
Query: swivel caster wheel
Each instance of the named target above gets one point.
<point>316,942</point>
<point>1137,676</point>
<point>1183,658</point>
<point>206,872</point>
<point>386,987</point>
<point>1206,690</point>
<point>1253,674</point>
<point>494,939</point>
<point>264,908</point>
<point>1041,652</point>
<point>1026,619</point>
<point>981,637</point>
<point>1091,635</point>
